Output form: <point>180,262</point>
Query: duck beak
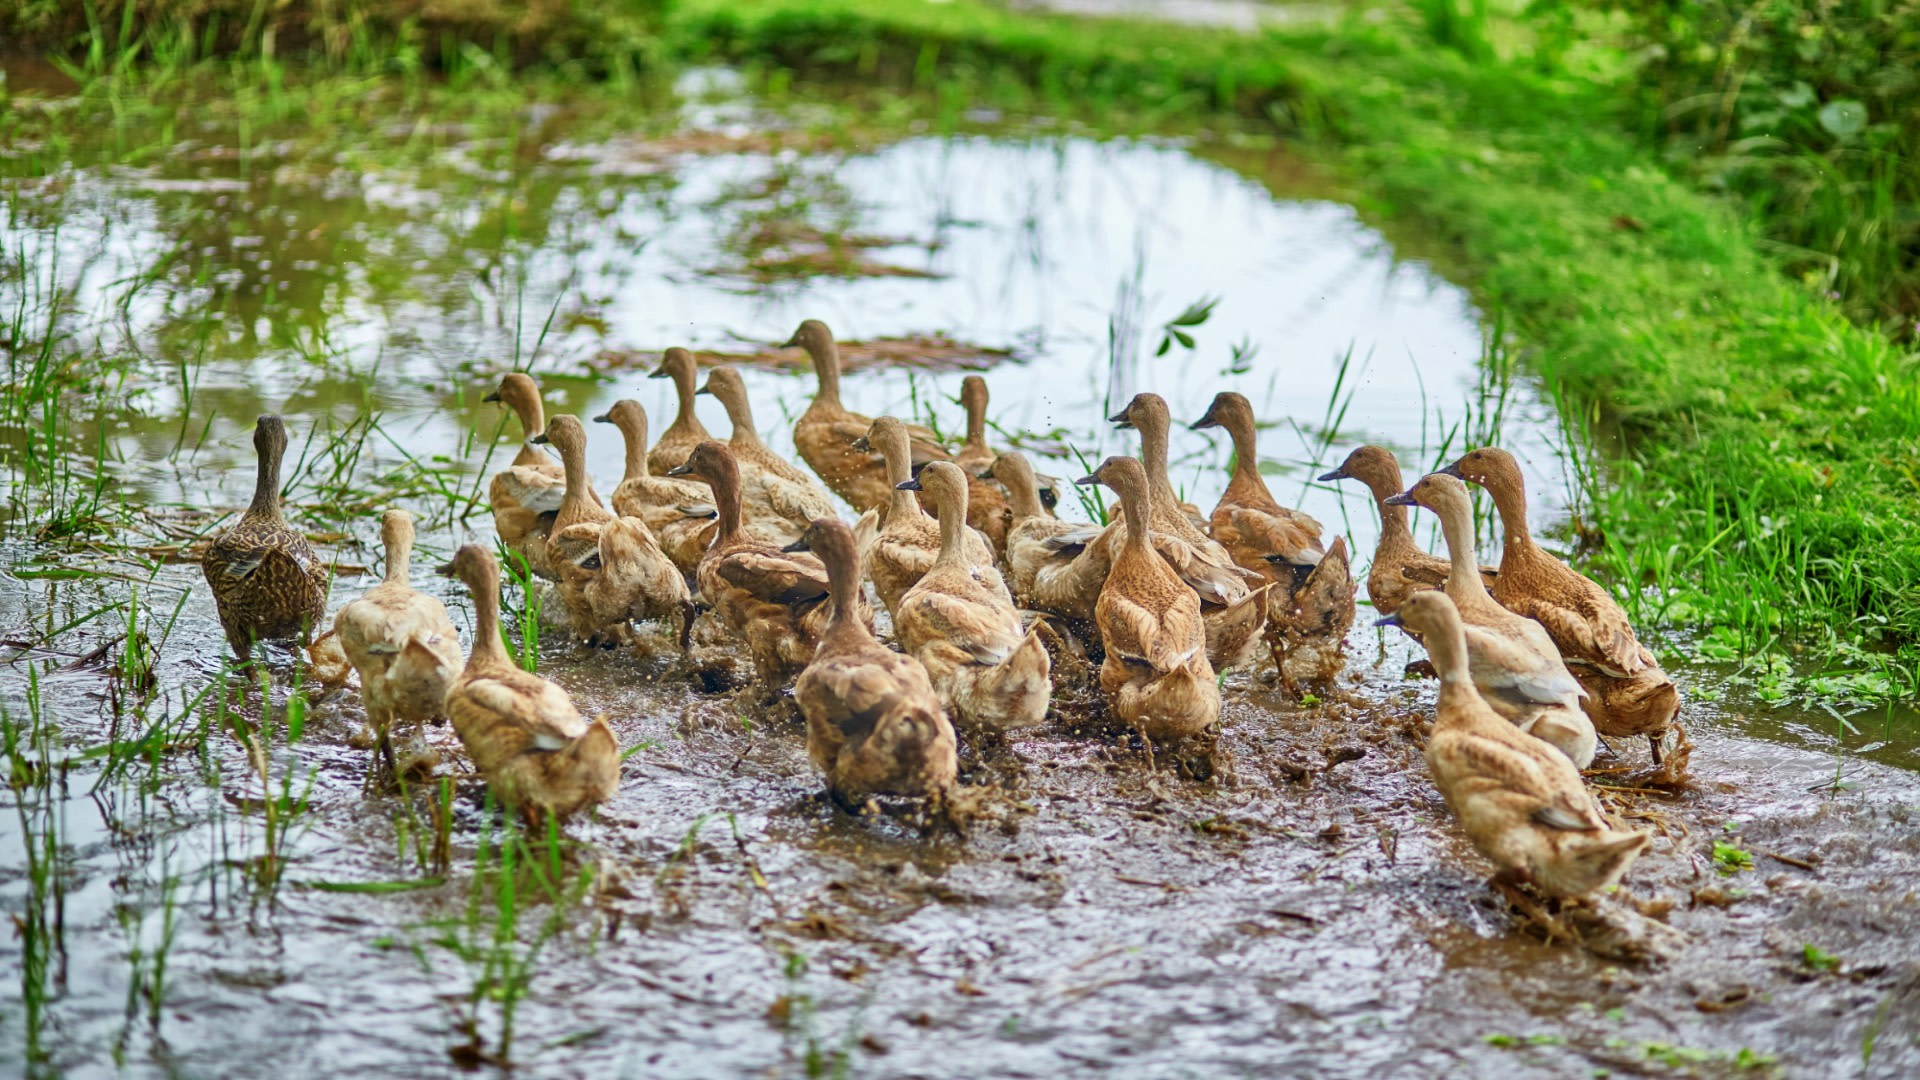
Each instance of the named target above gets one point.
<point>984,472</point>
<point>1204,422</point>
<point>681,469</point>
<point>1088,481</point>
<point>1337,474</point>
<point>1391,620</point>
<point>493,397</point>
<point>705,388</point>
<point>603,418</point>
<point>792,341</point>
<point>908,485</point>
<point>1453,470</point>
<point>444,571</point>
<point>862,444</point>
<point>1405,498</point>
<point>1120,418</point>
<point>658,373</point>
<point>797,545</point>
<point>541,440</point>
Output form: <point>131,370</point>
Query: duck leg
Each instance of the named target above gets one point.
<point>1147,743</point>
<point>688,612</point>
<point>1653,744</point>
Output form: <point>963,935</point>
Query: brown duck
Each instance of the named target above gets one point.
<point>1156,671</point>
<point>525,494</point>
<point>774,601</point>
<point>677,511</point>
<point>266,580</point>
<point>400,641</point>
<point>987,508</point>
<point>825,433</point>
<point>1627,693</point>
<point>539,755</point>
<point>686,431</point>
<point>874,724</point>
<point>1519,800</point>
<point>959,620</point>
<point>777,500</point>
<point>1399,567</point>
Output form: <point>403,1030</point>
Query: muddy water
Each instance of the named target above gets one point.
<point>1313,912</point>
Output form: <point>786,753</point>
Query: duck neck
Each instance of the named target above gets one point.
<point>1246,457</point>
<point>1153,455</point>
<point>1463,576</point>
<point>686,421</point>
<point>843,592</point>
<point>726,500</point>
<point>488,648</point>
<point>953,529</point>
<point>826,368</point>
<point>533,415</point>
<point>635,433</point>
<point>1138,516</point>
<point>399,559</point>
<point>1395,532</point>
<point>899,456</point>
<point>977,426</point>
<point>266,483</point>
<point>579,490</point>
<point>740,415</point>
<point>1023,496</point>
<point>1511,501</point>
<point>1447,649</point>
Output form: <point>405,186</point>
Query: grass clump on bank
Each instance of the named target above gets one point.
<point>1766,440</point>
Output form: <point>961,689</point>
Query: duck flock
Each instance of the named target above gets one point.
<point>730,545</point>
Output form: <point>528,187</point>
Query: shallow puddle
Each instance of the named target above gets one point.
<point>1315,912</point>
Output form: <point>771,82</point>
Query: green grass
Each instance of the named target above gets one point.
<point>1765,444</point>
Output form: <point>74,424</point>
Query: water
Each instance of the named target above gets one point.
<point>1316,912</point>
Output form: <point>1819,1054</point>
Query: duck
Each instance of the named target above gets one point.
<point>1156,671</point>
<point>1306,630</point>
<point>960,622</point>
<point>678,512</point>
<point>1399,567</point>
<point>1627,692</point>
<point>1248,522</point>
<point>574,532</point>
<point>401,643</point>
<point>875,725</point>
<point>777,500</point>
<point>1310,606</point>
<point>538,754</point>
<point>1514,664</point>
<point>907,540</point>
<point>686,431</point>
<point>1048,560</point>
<point>775,601</point>
<point>617,576</point>
<point>1234,629</point>
<point>826,432</point>
<point>1520,802</point>
<point>267,583</point>
<point>987,507</point>
<point>525,495</point>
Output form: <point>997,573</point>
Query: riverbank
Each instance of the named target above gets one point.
<point>1761,474</point>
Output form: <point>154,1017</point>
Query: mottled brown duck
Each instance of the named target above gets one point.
<point>874,724</point>
<point>686,431</point>
<point>539,755</point>
<point>826,432</point>
<point>265,578</point>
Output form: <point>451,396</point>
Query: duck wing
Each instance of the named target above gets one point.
<point>531,703</point>
<point>1591,631</point>
<point>775,576</point>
